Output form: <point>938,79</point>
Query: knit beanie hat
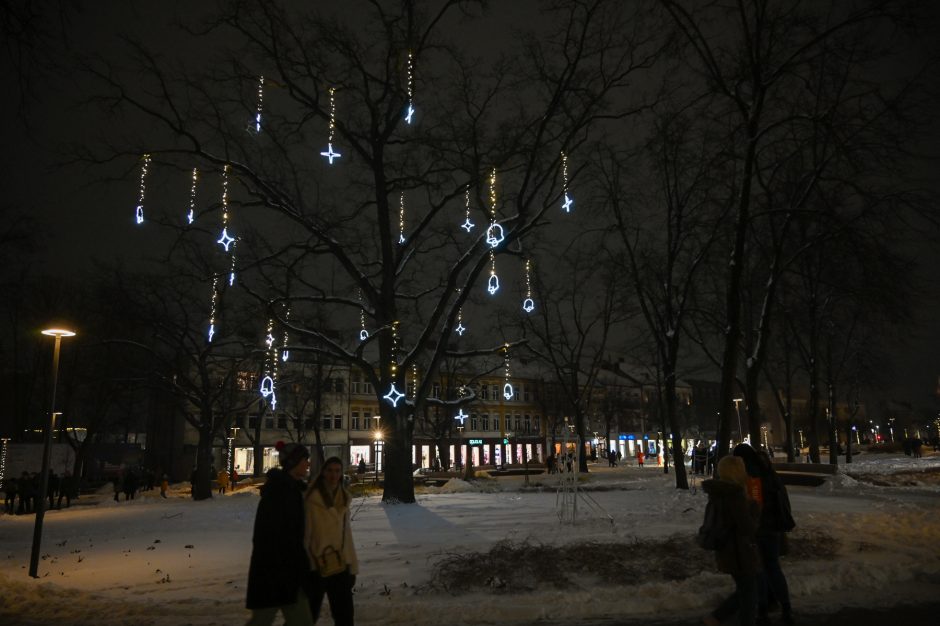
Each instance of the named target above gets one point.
<point>731,469</point>
<point>290,454</point>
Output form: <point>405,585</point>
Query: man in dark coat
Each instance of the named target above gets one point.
<point>279,574</point>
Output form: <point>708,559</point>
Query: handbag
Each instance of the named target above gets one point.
<point>330,561</point>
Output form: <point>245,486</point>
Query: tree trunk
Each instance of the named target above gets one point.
<point>396,456</point>
<point>682,479</point>
<point>202,483</point>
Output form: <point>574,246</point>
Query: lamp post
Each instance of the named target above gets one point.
<point>58,333</point>
<point>737,409</point>
<point>378,436</point>
<point>231,455</point>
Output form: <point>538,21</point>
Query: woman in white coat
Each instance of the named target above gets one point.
<point>329,543</point>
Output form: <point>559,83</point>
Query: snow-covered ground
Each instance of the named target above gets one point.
<point>174,561</point>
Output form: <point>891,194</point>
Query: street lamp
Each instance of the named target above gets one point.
<point>58,333</point>
<point>378,437</point>
<point>737,409</point>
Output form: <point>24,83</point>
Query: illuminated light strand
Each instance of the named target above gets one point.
<point>492,285</point>
<point>231,272</point>
<point>401,219</point>
<point>255,125</point>
<point>508,391</point>
<point>414,379</point>
<point>226,239</point>
<point>363,333</point>
<point>4,442</point>
<point>494,234</point>
<point>528,305</point>
<point>329,153</point>
<point>568,201</point>
<point>285,353</point>
<point>394,396</point>
<point>191,215</point>
<point>268,388</point>
<point>212,305</point>
<point>467,224</point>
<point>460,329</point>
<point>409,114</point>
<point>144,167</point>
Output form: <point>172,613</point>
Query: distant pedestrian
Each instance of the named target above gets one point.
<point>9,493</point>
<point>329,543</point>
<point>361,468</point>
<point>639,456</point>
<point>130,485</point>
<point>234,478</point>
<point>737,519</point>
<point>117,481</point>
<point>25,489</point>
<point>222,479</point>
<point>164,485</point>
<point>279,575</point>
<point>68,489</point>
<point>52,488</point>
<point>916,446</point>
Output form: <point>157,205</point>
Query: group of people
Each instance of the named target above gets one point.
<point>21,495</point>
<point>752,513</point>
<point>302,545</point>
<point>703,459</point>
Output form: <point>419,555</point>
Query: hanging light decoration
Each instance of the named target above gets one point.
<point>508,391</point>
<point>144,167</point>
<point>363,333</point>
<point>394,396</point>
<point>329,153</point>
<point>568,201</point>
<point>494,234</point>
<point>467,224</point>
<point>212,306</point>
<point>285,353</point>
<point>528,305</point>
<point>401,219</point>
<point>493,285</point>
<point>191,214</point>
<point>225,239</point>
<point>410,111</point>
<point>255,125</point>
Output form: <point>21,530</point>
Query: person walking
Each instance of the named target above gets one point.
<point>329,543</point>
<point>222,479</point>
<point>639,456</point>
<point>279,571</point>
<point>767,489</point>
<point>164,486</point>
<point>737,555</point>
<point>9,490</point>
<point>68,489</point>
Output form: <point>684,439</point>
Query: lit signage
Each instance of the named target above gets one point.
<point>476,442</point>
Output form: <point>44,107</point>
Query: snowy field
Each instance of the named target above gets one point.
<point>859,542</point>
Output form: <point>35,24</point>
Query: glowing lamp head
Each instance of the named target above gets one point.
<point>58,332</point>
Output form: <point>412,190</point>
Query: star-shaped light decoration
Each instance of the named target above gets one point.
<point>508,391</point>
<point>393,395</point>
<point>529,305</point>
<point>269,339</point>
<point>330,154</point>
<point>467,225</point>
<point>461,329</point>
<point>225,239</point>
<point>461,416</point>
<point>567,204</point>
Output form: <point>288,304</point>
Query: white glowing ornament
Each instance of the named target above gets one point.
<point>460,328</point>
<point>508,391</point>
<point>144,166</point>
<point>255,126</point>
<point>226,240</point>
<point>409,115</point>
<point>492,285</point>
<point>528,305</point>
<point>267,386</point>
<point>393,396</point>
<point>285,353</point>
<point>269,340</point>
<point>467,224</point>
<point>569,202</point>
<point>329,153</point>
<point>461,416</point>
<point>191,214</point>
<point>363,334</point>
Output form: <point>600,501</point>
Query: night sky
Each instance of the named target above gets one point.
<point>84,212</point>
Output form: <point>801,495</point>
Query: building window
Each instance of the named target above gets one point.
<point>246,381</point>
<point>485,419</point>
<point>528,424</point>
<point>535,424</point>
<point>308,423</point>
<point>337,422</point>
<point>496,422</point>
<point>484,392</point>
<point>518,427</point>
<point>338,385</point>
<point>473,421</point>
<point>281,422</point>
<point>326,421</point>
<point>354,420</point>
<point>527,392</point>
<point>436,390</point>
<point>252,422</point>
<point>269,423</point>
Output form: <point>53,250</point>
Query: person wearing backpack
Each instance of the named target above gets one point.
<point>767,489</point>
<point>730,527</point>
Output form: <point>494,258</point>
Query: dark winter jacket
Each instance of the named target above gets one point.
<point>279,564</point>
<point>740,515</point>
<point>775,516</point>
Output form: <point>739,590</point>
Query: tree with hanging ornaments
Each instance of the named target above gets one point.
<point>390,167</point>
